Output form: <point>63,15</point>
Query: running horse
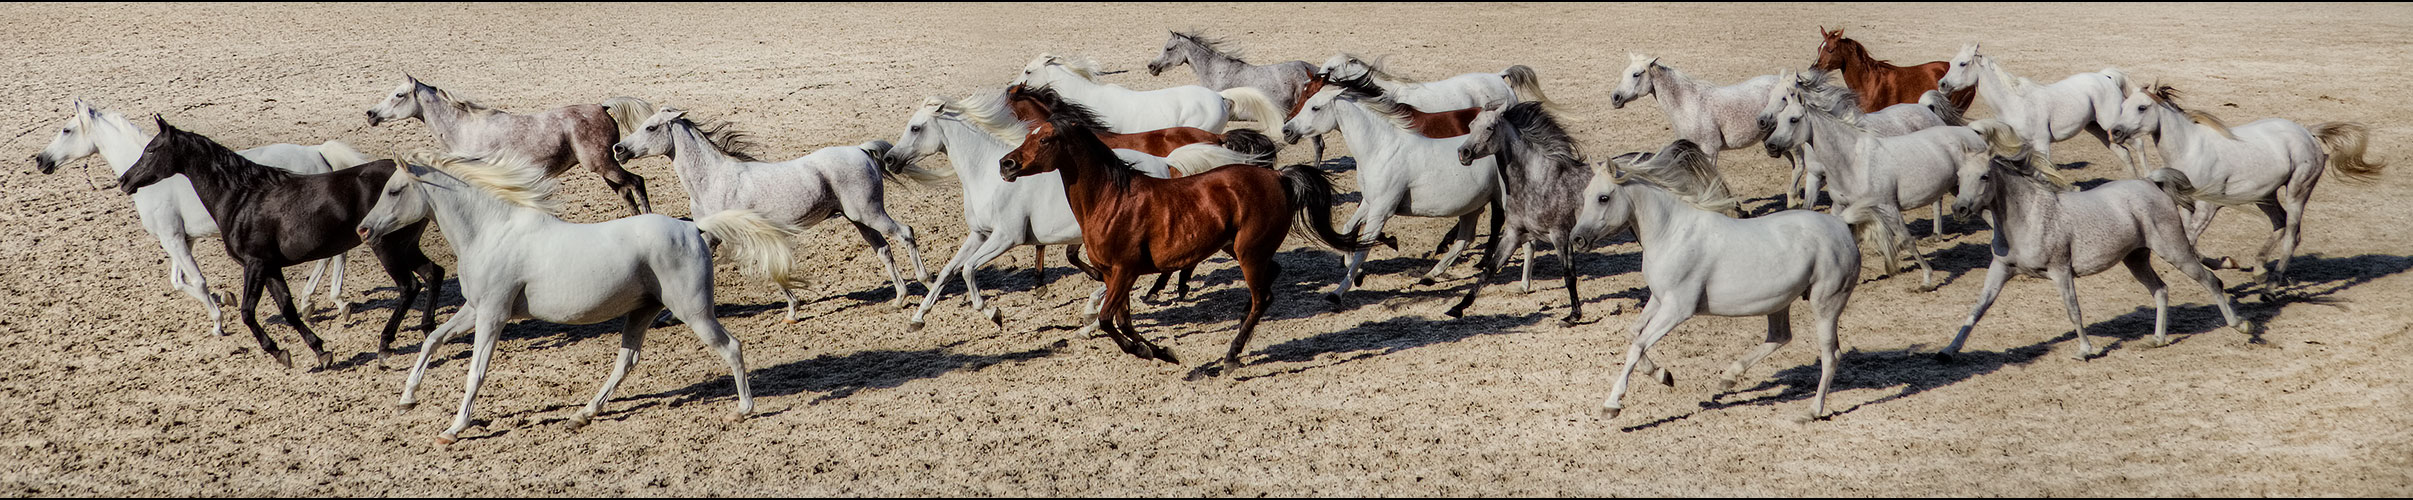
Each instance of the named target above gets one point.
<point>1881,83</point>
<point>1130,230</point>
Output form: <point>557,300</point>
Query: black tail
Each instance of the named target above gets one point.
<point>1310,192</point>
<point>1252,143</point>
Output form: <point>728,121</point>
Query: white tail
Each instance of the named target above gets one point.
<point>628,112</point>
<point>1201,157</point>
<point>340,156</point>
<point>759,245</point>
<point>1248,103</point>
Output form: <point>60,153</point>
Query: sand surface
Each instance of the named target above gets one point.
<point>110,383</point>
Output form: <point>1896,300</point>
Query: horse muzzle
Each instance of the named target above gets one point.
<point>1154,69</point>
<point>1010,169</point>
<point>1289,136</point>
<point>44,164</point>
<point>1617,101</point>
<point>373,119</point>
<point>621,154</point>
<point>2122,136</point>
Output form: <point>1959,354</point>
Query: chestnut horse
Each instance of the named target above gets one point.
<point>1881,83</point>
<point>1130,230</point>
<point>1437,125</point>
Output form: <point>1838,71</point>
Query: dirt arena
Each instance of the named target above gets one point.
<point>112,385</point>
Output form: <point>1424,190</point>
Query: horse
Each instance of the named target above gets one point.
<point>519,261</point>
<point>2044,114</point>
<point>1882,83</point>
<point>271,219</point>
<point>1286,84</point>
<point>1689,255</point>
<point>1542,173</point>
<point>1132,111</point>
<point>1472,90</point>
<point>1434,124</point>
<point>1717,118</point>
<point>1134,224</point>
<point>2042,229</point>
<point>1814,91</point>
<point>2271,164</point>
<point>553,140</point>
<point>1399,172</point>
<point>173,214</point>
<point>1877,177</point>
<point>975,132</point>
<point>712,161</point>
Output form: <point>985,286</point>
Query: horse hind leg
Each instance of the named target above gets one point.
<point>253,280</point>
<point>879,246</point>
<point>284,301</point>
<point>632,341</point>
<point>2141,266</point>
<point>1461,235</point>
<point>184,274</point>
<point>1259,271</point>
<point>2287,228</point>
<point>696,309</point>
<point>1780,332</point>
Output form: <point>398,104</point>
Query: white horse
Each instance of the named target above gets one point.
<point>2044,114</point>
<point>2040,228</point>
<point>1878,177</point>
<point>1133,111</point>
<point>1515,84</point>
<point>519,261</point>
<point>998,215</point>
<point>2272,164</point>
<point>1699,262</point>
<point>1716,117</point>
<point>173,214</point>
<point>1399,171</point>
<point>1816,90</point>
<point>713,163</point>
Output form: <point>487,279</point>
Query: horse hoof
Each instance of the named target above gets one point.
<point>1455,312</point>
<point>1570,320</point>
<point>446,439</point>
<point>790,321</point>
<point>283,358</point>
<point>1166,355</point>
<point>405,408</point>
<point>1334,300</point>
<point>1610,412</point>
<point>1942,357</point>
<point>995,316</point>
<point>1725,386</point>
<point>325,360</point>
<point>1424,281</point>
<point>733,418</point>
<point>913,326</point>
<point>1668,378</point>
<point>580,421</point>
<point>1210,370</point>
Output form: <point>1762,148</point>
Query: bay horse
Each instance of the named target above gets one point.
<point>1881,83</point>
<point>556,139</point>
<point>271,219</point>
<point>1130,227</point>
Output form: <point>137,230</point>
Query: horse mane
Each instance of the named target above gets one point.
<point>1212,45</point>
<point>218,161</point>
<point>1083,67</point>
<point>723,136</point>
<point>988,111</point>
<point>1818,91</point>
<point>1067,116</point>
<point>459,102</point>
<point>1381,105</point>
<point>2021,165</point>
<point>1363,84</point>
<point>504,176</point>
<point>1685,157</point>
<point>1537,127</point>
<point>1375,68</point>
<point>2168,96</point>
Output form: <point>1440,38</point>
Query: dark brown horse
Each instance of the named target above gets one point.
<point>1134,225</point>
<point>272,219</point>
<point>1881,83</point>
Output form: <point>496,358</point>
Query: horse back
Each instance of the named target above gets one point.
<point>1178,222</point>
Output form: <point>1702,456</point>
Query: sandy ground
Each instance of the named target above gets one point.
<point>112,384</point>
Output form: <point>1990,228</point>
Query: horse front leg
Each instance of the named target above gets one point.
<point>253,282</point>
<point>489,326</point>
<point>1658,318</point>
<point>1491,265</point>
<point>1461,235</point>
<point>2067,281</point>
<point>462,321</point>
<point>284,302</point>
<point>184,274</point>
<point>939,285</point>
<point>1996,273</point>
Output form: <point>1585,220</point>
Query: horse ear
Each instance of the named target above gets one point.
<point>163,123</point>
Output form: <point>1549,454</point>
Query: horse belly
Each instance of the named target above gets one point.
<point>581,300</point>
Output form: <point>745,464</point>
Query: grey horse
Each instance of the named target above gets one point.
<point>580,134</point>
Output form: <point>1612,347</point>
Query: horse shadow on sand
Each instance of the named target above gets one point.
<point>1914,369</point>
<point>834,377</point>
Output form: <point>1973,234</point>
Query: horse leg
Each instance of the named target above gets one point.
<point>184,274</point>
<point>1259,270</point>
<point>490,325</point>
<point>1566,267</point>
<point>2290,222</point>
<point>1319,150</point>
<point>1936,233</point>
<point>2067,280</point>
<point>1793,181</point>
<point>317,270</point>
<point>1658,318</point>
<point>1810,179</point>
<point>253,280</point>
<point>879,246</point>
<point>1490,265</point>
<point>1780,332</point>
<point>1369,219</point>
<point>1926,273</point>
<point>284,302</point>
<point>434,284</point>
<point>2173,250</point>
<point>1039,270</point>
<point>453,328</point>
<point>994,247</point>
<point>939,285</point>
<point>2141,267</point>
<point>708,328</point>
<point>1118,298</point>
<point>407,283</point>
<point>1830,346</point>
<point>2197,222</point>
<point>1996,274</point>
<point>1460,235</point>
<point>632,340</point>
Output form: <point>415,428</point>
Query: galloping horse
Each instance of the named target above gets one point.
<point>573,135</point>
<point>1130,228</point>
<point>1881,83</point>
<point>272,219</point>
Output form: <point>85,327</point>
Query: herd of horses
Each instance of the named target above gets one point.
<point>1156,182</point>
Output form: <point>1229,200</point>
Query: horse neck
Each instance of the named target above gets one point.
<point>700,164</point>
<point>1091,187</point>
<point>1655,212</point>
<point>120,149</point>
<point>1361,125</point>
<point>442,117</point>
<point>1835,144</point>
<point>220,190</point>
<point>1214,67</point>
<point>2022,208</point>
<point>974,154</point>
<point>2173,132</point>
<point>1677,91</point>
<point>1856,61</point>
<point>473,221</point>
<point>1994,83</point>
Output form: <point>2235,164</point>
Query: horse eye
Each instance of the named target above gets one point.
<point>1637,73</point>
<point>2140,107</point>
<point>1796,119</point>
<point>915,128</point>
<point>1604,198</point>
<point>650,128</point>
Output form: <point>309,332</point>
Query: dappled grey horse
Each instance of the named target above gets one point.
<point>1542,174</point>
<point>1687,251</point>
<point>1718,118</point>
<point>579,134</point>
<point>2041,229</point>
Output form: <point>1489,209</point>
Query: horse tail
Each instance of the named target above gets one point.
<point>1253,143</point>
<point>1867,225</point>
<point>1941,104</point>
<point>1526,84</point>
<point>2346,142</point>
<point>759,245</point>
<point>628,112</point>
<point>1998,135</point>
<point>1201,157</point>
<point>1309,191</point>
<point>1254,103</point>
<point>340,156</point>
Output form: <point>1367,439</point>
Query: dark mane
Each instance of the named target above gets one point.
<point>724,136</point>
<point>1542,130</point>
<point>1362,84</point>
<point>1860,53</point>
<point>1077,123</point>
<point>197,154</point>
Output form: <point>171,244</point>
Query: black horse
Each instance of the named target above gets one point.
<point>272,219</point>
